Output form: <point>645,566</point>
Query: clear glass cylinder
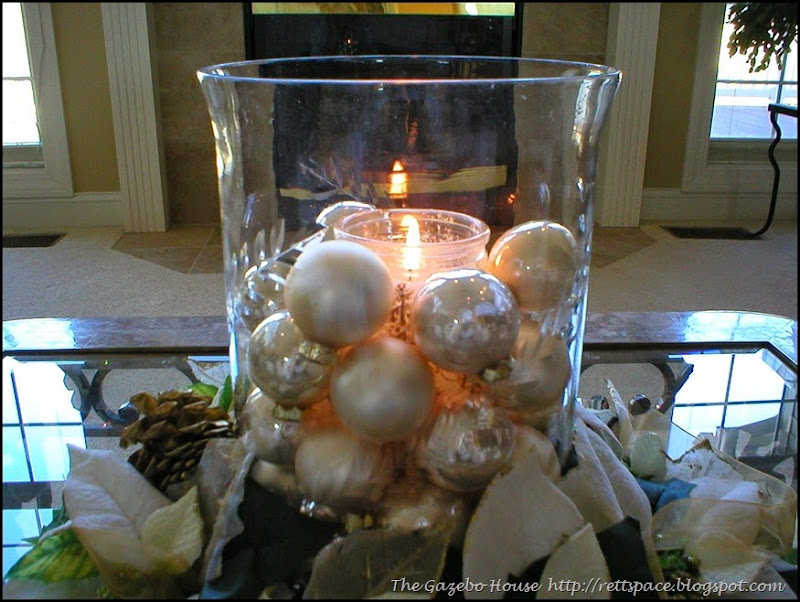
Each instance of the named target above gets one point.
<point>495,158</point>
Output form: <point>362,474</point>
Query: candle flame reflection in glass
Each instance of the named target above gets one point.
<point>398,180</point>
<point>412,253</point>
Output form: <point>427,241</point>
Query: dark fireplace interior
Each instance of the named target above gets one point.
<point>488,125</point>
<point>275,35</point>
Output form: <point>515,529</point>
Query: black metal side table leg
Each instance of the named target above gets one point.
<point>774,111</point>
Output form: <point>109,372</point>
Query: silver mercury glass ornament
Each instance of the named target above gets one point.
<point>261,294</point>
<point>465,320</point>
<point>276,438</point>
<point>532,383</point>
<point>280,370</point>
<point>335,212</point>
<point>466,448</point>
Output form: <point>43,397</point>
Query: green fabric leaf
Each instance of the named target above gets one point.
<point>365,563</point>
<point>204,389</point>
<point>227,394</point>
<point>56,558</point>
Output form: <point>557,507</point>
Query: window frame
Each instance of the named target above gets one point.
<point>725,166</point>
<point>53,179</point>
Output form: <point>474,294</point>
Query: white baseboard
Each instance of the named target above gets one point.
<point>666,205</point>
<point>89,209</point>
<point>85,209</point>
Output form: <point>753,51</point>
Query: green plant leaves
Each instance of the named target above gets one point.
<point>762,30</point>
<point>59,557</point>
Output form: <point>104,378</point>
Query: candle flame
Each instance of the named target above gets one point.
<point>398,179</point>
<point>412,253</point>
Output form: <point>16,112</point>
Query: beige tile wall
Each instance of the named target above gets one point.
<point>574,31</point>
<point>193,35</point>
<point>189,36</point>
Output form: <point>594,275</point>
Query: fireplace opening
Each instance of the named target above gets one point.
<point>278,30</point>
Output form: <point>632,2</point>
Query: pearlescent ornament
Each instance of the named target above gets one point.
<point>465,320</point>
<point>539,373</point>
<point>383,389</point>
<point>262,293</point>
<point>538,261</point>
<point>339,469</point>
<point>466,448</point>
<point>276,440</point>
<point>339,293</point>
<point>279,369</point>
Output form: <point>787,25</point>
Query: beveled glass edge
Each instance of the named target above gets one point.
<point>706,328</point>
<point>67,335</point>
<point>210,333</point>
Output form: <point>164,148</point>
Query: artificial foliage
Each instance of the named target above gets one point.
<point>762,31</point>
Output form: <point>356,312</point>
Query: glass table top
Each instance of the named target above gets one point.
<point>740,395</point>
<point>50,401</point>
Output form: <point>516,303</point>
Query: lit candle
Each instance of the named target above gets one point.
<point>415,244</point>
<point>412,253</point>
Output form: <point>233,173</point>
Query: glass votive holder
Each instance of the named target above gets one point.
<point>417,243</point>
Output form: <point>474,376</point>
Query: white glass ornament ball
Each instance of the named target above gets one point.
<point>382,389</point>
<point>465,320</point>
<point>538,262</point>
<point>339,293</point>
<point>277,367</point>
<point>466,448</point>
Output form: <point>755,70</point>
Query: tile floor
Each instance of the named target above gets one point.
<point>102,272</point>
<point>197,249</point>
<point>188,249</point>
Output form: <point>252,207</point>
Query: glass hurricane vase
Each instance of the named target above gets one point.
<point>406,243</point>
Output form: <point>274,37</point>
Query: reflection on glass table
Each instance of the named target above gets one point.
<point>744,401</point>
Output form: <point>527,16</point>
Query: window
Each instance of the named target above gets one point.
<point>19,107</point>
<point>741,98</point>
<point>35,155</point>
<point>735,166</point>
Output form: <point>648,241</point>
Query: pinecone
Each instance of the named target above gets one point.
<point>173,431</point>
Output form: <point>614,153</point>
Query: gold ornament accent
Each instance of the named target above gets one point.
<point>315,352</point>
<point>173,430</point>
<point>399,325</point>
<point>292,414</point>
<point>499,372</point>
